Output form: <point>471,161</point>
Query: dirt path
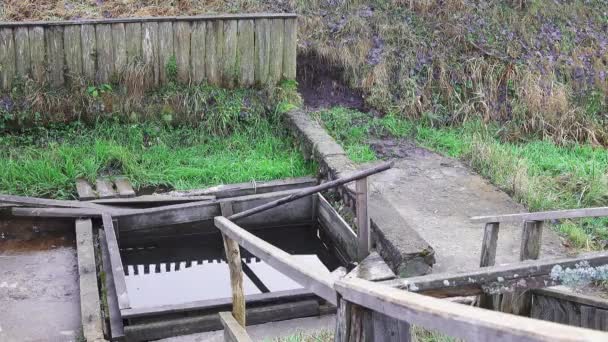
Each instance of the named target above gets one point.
<point>438,195</point>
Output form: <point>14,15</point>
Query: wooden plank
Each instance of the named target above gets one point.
<point>56,212</point>
<point>343,321</point>
<point>22,50</point>
<point>290,52</point>
<point>588,317</point>
<point>105,53</point>
<point>544,215</point>
<point>7,58</point>
<point>386,328</point>
<point>262,51</point>
<point>466,322</point>
<point>124,188</point>
<point>601,320</point>
<point>246,53</point>
<point>183,31</point>
<point>116,262</point>
<point>87,275</point>
<point>471,283</point>
<point>117,330</point>
<point>233,331</point>
<point>190,325</point>
<point>236,16</point>
<point>277,31</point>
<point>88,43</point>
<point>44,202</point>
<point>363,234</point>
<point>150,53</point>
<point>84,190</point>
<point>119,43</point>
<point>337,229</point>
<point>37,54</point>
<point>105,188</point>
<point>166,49</point>
<point>230,69</point>
<point>134,42</point>
<point>283,262</point>
<point>233,257</point>
<point>198,52</point>
<point>531,240</point>
<point>564,293</point>
<point>488,247</point>
<point>152,200</point>
<point>212,58</point>
<point>73,51</point>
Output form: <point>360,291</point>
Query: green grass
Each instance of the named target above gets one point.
<point>45,161</point>
<point>537,173</point>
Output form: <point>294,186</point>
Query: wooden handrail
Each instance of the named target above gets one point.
<point>543,215</point>
<point>467,322</point>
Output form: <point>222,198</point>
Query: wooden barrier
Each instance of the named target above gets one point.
<point>223,50</point>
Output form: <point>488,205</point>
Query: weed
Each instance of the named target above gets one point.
<point>171,69</point>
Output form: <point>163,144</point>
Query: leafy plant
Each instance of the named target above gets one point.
<point>171,69</point>
<point>97,91</point>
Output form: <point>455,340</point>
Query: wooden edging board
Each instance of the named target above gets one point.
<point>462,321</point>
<point>336,228</point>
<point>544,215</point>
<point>233,331</point>
<point>116,262</point>
<point>117,330</point>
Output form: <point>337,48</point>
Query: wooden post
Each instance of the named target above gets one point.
<point>362,218</point>
<point>88,42</point>
<point>233,257</point>
<point>233,332</point>
<point>37,57</point>
<point>197,52</point>
<point>488,258</point>
<point>7,58</point>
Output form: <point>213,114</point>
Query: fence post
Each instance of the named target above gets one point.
<point>362,218</point>
<point>488,258</point>
<point>233,257</point>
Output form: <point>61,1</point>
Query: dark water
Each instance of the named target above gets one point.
<point>187,269</point>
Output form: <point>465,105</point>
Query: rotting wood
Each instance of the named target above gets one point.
<point>150,53</point>
<point>53,37</point>
<point>134,42</point>
<point>198,51</point>
<point>85,190</point>
<point>119,44</point>
<point>124,188</point>
<point>363,234</point>
<point>488,258</point>
<point>290,49</point>
<point>89,51</point>
<point>166,49</point>
<point>466,322</point>
<point>312,279</point>
<point>87,275</point>
<point>262,53</point>
<point>246,53</point>
<point>37,50</point>
<point>183,31</point>
<point>233,331</point>
<point>7,58</point>
<point>211,54</point>
<point>230,68</point>
<point>544,215</point>
<point>73,52</point>
<point>498,278</point>
<point>233,257</point>
<point>116,262</point>
<point>104,52</point>
<point>340,233</point>
<point>312,190</point>
<point>22,52</point>
<point>277,32</point>
<point>117,330</point>
<point>219,50</point>
<point>105,188</point>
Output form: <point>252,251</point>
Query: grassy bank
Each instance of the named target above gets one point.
<point>538,173</point>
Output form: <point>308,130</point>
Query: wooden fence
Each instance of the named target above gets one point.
<point>225,50</point>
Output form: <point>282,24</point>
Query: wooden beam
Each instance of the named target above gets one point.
<point>466,322</point>
<point>488,258</point>
<point>340,233</point>
<point>312,279</point>
<point>363,233</point>
<point>544,215</point>
<point>472,283</point>
<point>116,262</point>
<point>233,257</point>
<point>531,240</point>
<point>43,202</point>
<point>117,330</point>
<point>153,200</point>
<point>233,330</point>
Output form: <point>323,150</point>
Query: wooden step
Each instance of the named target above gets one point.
<point>85,190</point>
<point>125,190</point>
<point>105,188</point>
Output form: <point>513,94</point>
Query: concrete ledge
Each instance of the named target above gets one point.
<point>403,249</point>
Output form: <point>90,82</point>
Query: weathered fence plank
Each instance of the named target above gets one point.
<point>7,58</point>
<point>150,53</point>
<point>37,50</point>
<point>119,42</point>
<point>89,51</point>
<point>73,51</point>
<point>212,60</point>
<point>104,53</point>
<point>290,49</point>
<point>230,68</point>
<point>22,48</point>
<point>488,258</point>
<point>166,49</point>
<point>134,42</point>
<point>246,53</point>
<point>262,53</point>
<point>197,52</point>
<point>182,50</point>
<point>55,55</point>
<point>277,32</point>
